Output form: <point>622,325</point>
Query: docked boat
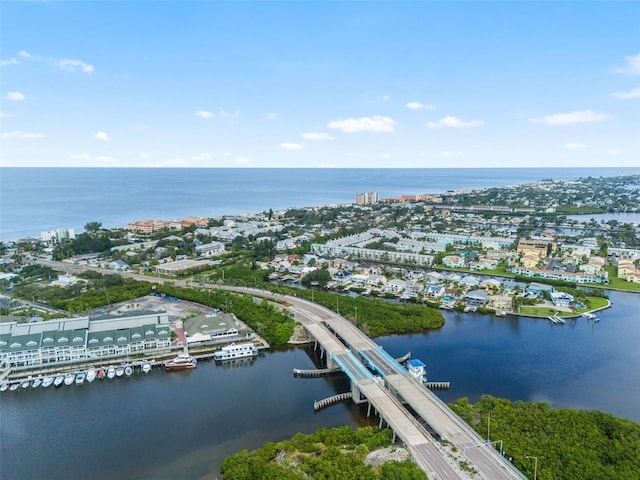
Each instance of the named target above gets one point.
<point>128,370</point>
<point>57,382</point>
<point>111,373</point>
<point>557,320</point>
<point>146,367</point>
<point>47,382</point>
<point>14,386</point>
<point>101,374</point>
<point>181,362</point>
<point>4,387</point>
<point>80,378</point>
<point>36,383</point>
<point>233,351</point>
<point>69,378</point>
<point>25,383</point>
<point>119,371</point>
<point>91,374</point>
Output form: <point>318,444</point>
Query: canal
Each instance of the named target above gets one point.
<point>183,424</point>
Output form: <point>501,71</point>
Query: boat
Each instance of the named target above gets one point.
<point>417,370</point>
<point>111,372</point>
<point>181,362</point>
<point>14,386</point>
<point>69,378</point>
<point>591,316</point>
<point>146,367</point>
<point>47,382</point>
<point>57,382</point>
<point>80,377</point>
<point>36,383</point>
<point>25,383</point>
<point>119,371</point>
<point>101,374</point>
<point>232,351</point>
<point>4,387</point>
<point>128,370</point>
<point>91,374</point>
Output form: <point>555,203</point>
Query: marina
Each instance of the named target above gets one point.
<point>78,377</point>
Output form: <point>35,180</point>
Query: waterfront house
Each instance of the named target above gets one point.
<point>476,298</point>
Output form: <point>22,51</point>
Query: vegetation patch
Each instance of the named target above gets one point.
<point>568,444</point>
<point>326,454</point>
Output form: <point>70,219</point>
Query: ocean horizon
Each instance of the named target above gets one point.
<point>35,199</point>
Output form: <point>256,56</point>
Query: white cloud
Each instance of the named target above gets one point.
<point>79,156</point>
<point>316,136</point>
<point>376,123</point>
<point>291,146</point>
<point>204,114</point>
<point>386,98</point>
<point>448,153</point>
<point>574,146</point>
<point>21,135</point>
<point>613,152</point>
<point>225,114</point>
<point>11,61</point>
<point>580,116</point>
<point>16,96</point>
<point>632,65</point>
<point>67,64</point>
<point>243,160</point>
<point>419,106</point>
<point>71,65</point>
<point>201,157</point>
<point>635,93</point>
<point>103,159</point>
<point>385,156</point>
<point>144,155</point>
<point>272,116</point>
<point>454,122</point>
<point>6,115</point>
<point>102,136</point>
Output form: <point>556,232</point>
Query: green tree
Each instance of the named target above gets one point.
<point>93,227</point>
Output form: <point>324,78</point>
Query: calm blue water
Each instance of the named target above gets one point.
<point>183,424</point>
<point>36,199</point>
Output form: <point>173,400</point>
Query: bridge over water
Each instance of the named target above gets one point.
<point>381,381</point>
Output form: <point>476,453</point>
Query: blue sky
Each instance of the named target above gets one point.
<point>327,84</point>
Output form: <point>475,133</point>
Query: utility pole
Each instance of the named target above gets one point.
<point>489,427</point>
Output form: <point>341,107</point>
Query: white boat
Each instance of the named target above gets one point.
<point>417,369</point>
<point>111,372</point>
<point>4,387</point>
<point>47,382</point>
<point>91,374</point>
<point>146,367</point>
<point>181,362</point>
<point>128,370</point>
<point>57,382</point>
<point>233,351</point>
<point>69,378</point>
<point>80,377</point>
<point>119,371</point>
<point>14,386</point>
<point>25,383</point>
<point>36,383</point>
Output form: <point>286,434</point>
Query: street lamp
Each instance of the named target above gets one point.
<point>535,466</point>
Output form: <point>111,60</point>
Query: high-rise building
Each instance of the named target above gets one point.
<point>367,198</point>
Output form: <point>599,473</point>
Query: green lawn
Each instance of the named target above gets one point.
<point>618,283</point>
<point>539,311</point>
